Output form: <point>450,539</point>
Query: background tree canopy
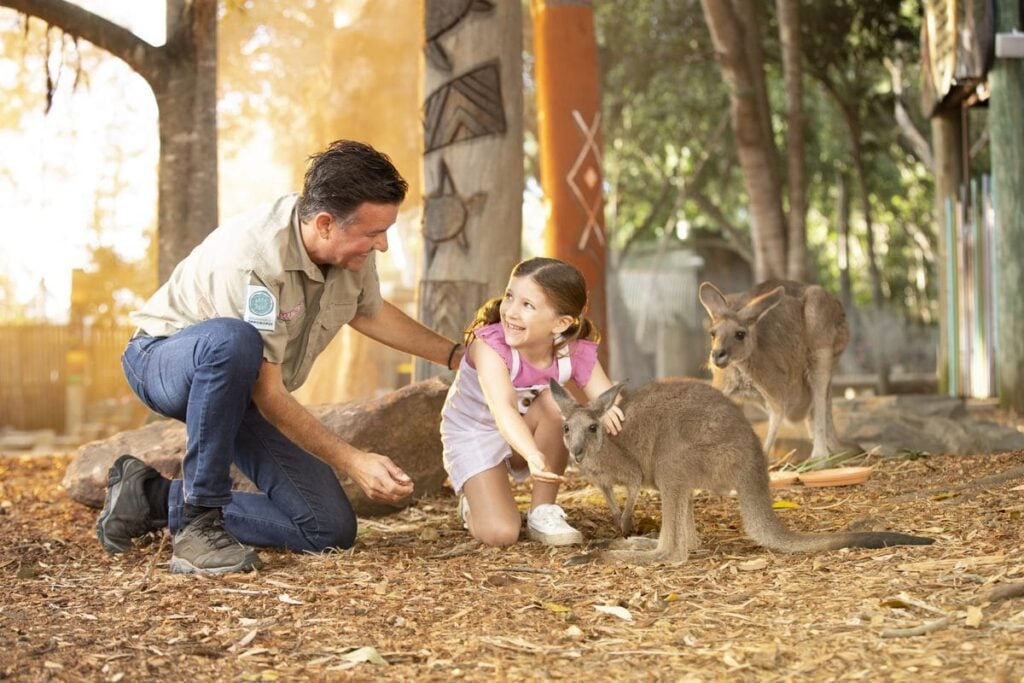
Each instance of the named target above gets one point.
<point>670,158</point>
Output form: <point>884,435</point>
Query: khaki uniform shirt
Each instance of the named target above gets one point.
<point>256,268</point>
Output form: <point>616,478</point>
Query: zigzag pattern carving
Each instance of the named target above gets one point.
<point>467,107</point>
<point>451,304</point>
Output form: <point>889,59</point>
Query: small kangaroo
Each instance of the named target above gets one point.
<point>679,436</point>
<point>781,340</point>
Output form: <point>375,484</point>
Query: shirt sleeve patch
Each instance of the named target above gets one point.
<point>260,308</point>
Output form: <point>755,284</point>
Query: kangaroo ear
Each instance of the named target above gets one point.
<point>756,308</point>
<point>607,399</point>
<point>713,300</point>
<point>565,402</point>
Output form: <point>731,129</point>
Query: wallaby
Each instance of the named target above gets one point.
<point>679,436</point>
<point>782,340</point>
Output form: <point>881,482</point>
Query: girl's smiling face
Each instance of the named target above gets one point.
<point>527,317</point>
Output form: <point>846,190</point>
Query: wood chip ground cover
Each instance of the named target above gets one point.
<point>416,599</point>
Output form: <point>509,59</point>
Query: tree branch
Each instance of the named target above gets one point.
<point>81,23</point>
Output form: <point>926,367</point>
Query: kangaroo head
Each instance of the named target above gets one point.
<point>734,331</point>
<point>582,431</point>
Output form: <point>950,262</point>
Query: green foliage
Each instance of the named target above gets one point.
<point>663,103</point>
<point>664,100</point>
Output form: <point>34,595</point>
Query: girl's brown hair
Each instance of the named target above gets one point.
<point>565,289</point>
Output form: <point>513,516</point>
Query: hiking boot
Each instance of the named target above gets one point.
<point>204,546</point>
<point>546,523</point>
<point>126,513</point>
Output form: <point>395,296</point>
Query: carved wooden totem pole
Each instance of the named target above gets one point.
<point>569,129</point>
<point>472,161</point>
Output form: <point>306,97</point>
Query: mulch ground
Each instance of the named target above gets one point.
<point>415,599</point>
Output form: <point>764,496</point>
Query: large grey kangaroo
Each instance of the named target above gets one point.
<point>783,340</point>
<point>679,436</point>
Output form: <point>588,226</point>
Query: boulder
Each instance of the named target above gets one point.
<point>890,425</point>
<point>933,424</point>
<point>404,425</point>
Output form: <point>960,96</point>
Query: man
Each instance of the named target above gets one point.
<point>223,342</point>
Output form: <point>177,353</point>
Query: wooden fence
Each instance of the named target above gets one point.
<point>35,372</point>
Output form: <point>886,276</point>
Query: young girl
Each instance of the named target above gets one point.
<point>500,418</point>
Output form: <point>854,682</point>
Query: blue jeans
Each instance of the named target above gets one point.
<point>204,376</point>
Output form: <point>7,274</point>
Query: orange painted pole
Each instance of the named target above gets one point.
<point>569,128</point>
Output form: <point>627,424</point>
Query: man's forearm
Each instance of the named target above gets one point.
<point>303,428</point>
<point>394,328</point>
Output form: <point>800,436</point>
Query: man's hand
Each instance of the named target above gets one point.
<point>379,478</point>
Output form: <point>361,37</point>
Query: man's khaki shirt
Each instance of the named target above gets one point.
<point>232,272</point>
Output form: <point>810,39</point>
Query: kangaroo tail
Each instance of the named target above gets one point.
<point>763,526</point>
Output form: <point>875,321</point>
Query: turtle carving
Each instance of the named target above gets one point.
<point>445,214</point>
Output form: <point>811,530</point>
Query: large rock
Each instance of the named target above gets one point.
<point>932,424</point>
<point>889,425</point>
<point>402,425</point>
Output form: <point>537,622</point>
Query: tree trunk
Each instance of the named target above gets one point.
<point>877,298</point>
<point>946,138</point>
<point>186,93</point>
<point>843,230</point>
<point>755,149</point>
<point>183,75</point>
<point>796,180</point>
<point>472,162</point>
<point>1007,126</point>
<point>569,131</point>
<point>845,282</point>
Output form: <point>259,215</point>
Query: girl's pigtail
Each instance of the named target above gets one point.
<point>588,330</point>
<point>583,328</point>
<point>485,315</point>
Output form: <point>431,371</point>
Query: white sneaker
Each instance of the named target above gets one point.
<point>546,523</point>
<point>463,511</point>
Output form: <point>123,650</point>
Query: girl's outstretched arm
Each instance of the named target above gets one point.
<point>597,385</point>
<point>501,400</point>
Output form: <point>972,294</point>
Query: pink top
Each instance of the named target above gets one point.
<point>582,353</point>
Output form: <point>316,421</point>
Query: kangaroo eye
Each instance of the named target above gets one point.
<point>741,335</point>
<point>592,429</point>
<point>565,429</point>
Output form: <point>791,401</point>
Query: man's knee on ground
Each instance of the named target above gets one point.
<point>337,535</point>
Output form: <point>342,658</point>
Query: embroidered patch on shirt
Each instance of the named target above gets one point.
<point>260,308</point>
<point>288,316</point>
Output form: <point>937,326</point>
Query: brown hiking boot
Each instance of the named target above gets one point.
<point>204,546</point>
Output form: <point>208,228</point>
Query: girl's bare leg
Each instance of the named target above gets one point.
<point>493,517</point>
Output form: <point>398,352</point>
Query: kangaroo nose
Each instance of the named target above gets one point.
<point>720,357</point>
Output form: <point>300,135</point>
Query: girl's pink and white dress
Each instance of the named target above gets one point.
<point>469,434</point>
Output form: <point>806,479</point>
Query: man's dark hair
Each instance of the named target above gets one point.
<point>345,175</point>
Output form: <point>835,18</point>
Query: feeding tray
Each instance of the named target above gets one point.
<point>836,476</point>
<point>780,479</point>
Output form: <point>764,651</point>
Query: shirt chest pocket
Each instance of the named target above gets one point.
<point>293,316</point>
<point>331,319</point>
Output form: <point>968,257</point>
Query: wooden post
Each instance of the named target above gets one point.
<point>946,133</point>
<point>1006,124</point>
<point>75,358</point>
<point>569,131</point>
<point>472,161</point>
